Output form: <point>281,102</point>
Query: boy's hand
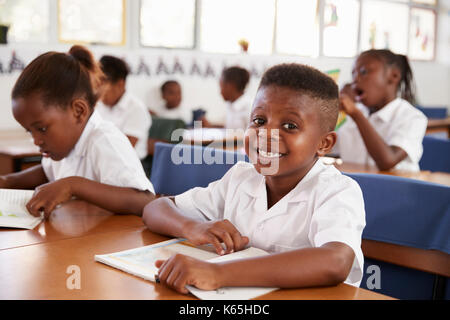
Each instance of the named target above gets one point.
<point>3,183</point>
<point>180,270</point>
<point>347,105</point>
<point>215,232</point>
<point>47,196</point>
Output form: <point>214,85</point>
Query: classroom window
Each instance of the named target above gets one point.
<point>28,20</point>
<point>340,28</point>
<point>168,23</point>
<point>429,2</point>
<point>421,34</point>
<point>94,22</point>
<point>297,27</point>
<point>223,24</point>
<point>384,26</point>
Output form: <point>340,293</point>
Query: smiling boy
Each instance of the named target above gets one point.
<point>308,215</point>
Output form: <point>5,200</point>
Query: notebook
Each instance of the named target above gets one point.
<point>13,210</point>
<point>141,262</point>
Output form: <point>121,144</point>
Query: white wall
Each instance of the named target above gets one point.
<point>432,78</point>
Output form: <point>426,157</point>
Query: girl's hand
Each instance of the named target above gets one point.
<point>215,232</point>
<point>347,105</point>
<point>3,183</point>
<point>180,270</point>
<point>47,196</point>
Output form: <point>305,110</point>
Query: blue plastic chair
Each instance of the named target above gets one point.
<point>180,167</point>
<point>410,213</point>
<point>436,154</point>
<point>434,112</point>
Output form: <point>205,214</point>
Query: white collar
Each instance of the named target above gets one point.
<point>385,113</point>
<point>256,185</point>
<point>80,146</point>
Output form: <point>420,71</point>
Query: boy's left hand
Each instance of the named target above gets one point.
<point>180,270</point>
<point>47,196</point>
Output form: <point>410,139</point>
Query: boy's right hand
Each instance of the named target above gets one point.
<point>215,232</point>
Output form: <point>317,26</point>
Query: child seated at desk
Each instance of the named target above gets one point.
<point>122,108</point>
<point>83,156</point>
<point>382,129</point>
<point>308,215</point>
<point>233,82</point>
<point>171,93</point>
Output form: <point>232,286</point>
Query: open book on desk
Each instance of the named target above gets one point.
<point>13,210</point>
<point>141,262</point>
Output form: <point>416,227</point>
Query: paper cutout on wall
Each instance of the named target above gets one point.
<point>195,69</point>
<point>334,18</point>
<point>209,71</point>
<point>373,34</point>
<point>143,68</point>
<point>15,63</point>
<point>162,68</point>
<point>177,67</point>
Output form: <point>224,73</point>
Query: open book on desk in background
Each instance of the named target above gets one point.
<point>141,262</point>
<point>13,210</point>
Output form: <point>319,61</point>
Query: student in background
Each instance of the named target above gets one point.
<point>233,82</point>
<point>120,107</point>
<point>83,156</point>
<point>171,93</point>
<point>384,129</point>
<point>307,214</point>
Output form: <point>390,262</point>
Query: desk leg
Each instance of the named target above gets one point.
<point>439,287</point>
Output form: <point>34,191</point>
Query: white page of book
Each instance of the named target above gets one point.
<point>141,261</point>
<point>13,211</point>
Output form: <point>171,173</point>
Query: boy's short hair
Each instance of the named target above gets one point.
<point>236,75</point>
<point>168,83</point>
<point>114,68</point>
<point>307,80</point>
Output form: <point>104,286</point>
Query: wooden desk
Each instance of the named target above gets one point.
<point>431,261</point>
<point>435,177</point>
<point>439,125</point>
<point>17,152</point>
<point>73,219</point>
<point>215,138</point>
<point>39,272</point>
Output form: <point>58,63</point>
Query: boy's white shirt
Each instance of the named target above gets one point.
<point>238,113</point>
<point>103,154</point>
<point>325,206</point>
<point>131,116</point>
<point>398,123</point>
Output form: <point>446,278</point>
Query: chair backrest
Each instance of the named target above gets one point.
<point>162,128</point>
<point>180,167</point>
<point>434,112</point>
<point>409,213</point>
<point>436,154</point>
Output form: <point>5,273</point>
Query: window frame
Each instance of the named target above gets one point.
<point>195,31</point>
<point>69,41</point>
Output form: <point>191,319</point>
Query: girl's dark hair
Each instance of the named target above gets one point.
<point>60,77</point>
<point>236,75</point>
<point>406,85</point>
